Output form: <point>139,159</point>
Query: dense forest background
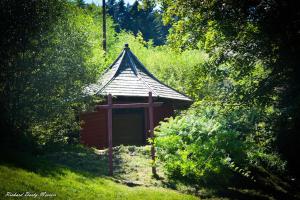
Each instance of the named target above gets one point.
<point>238,60</point>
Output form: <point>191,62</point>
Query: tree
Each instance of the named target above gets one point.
<point>80,3</point>
<point>51,51</point>
<point>139,17</point>
<point>111,5</point>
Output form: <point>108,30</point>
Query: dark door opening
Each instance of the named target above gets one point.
<point>128,127</point>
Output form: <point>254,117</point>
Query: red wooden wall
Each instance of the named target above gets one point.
<point>93,131</point>
<point>160,113</point>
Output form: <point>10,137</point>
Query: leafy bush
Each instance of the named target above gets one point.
<point>207,142</point>
<point>197,146</point>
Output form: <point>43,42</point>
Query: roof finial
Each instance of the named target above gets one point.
<point>126,46</point>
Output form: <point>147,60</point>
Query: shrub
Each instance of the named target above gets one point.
<point>206,145</point>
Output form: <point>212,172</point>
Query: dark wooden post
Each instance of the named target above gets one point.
<point>151,127</point>
<point>104,25</point>
<point>109,127</point>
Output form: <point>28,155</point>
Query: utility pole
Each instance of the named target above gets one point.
<point>104,25</point>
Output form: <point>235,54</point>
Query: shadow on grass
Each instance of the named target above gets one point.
<point>262,189</point>
<point>56,161</point>
<point>267,186</point>
<point>78,159</point>
<point>88,162</point>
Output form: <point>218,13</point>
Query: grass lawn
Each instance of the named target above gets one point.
<point>77,173</point>
<point>70,185</point>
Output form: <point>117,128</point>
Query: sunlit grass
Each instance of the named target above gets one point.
<point>81,173</point>
<point>66,184</point>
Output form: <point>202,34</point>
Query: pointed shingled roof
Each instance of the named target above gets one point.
<point>127,76</point>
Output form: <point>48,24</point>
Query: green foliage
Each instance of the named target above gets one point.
<point>208,143</point>
<point>196,147</point>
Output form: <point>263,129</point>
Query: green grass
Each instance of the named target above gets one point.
<point>70,185</point>
<point>72,174</point>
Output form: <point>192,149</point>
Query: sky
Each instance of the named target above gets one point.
<point>99,2</point>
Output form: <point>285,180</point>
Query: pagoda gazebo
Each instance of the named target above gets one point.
<point>136,102</point>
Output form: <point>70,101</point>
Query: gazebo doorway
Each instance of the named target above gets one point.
<point>128,126</point>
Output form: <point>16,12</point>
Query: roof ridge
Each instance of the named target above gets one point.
<point>138,75</point>
<point>121,56</point>
<point>133,65</point>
